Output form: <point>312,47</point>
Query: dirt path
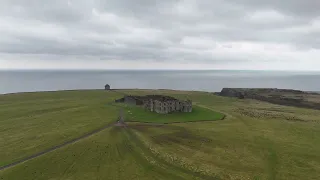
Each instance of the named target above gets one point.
<point>55,147</point>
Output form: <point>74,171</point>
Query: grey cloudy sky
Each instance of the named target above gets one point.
<point>170,34</point>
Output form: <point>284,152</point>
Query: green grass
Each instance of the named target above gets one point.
<point>32,122</point>
<point>113,154</point>
<point>135,113</point>
<point>256,140</point>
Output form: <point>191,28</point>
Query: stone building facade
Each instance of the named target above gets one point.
<point>167,104</point>
<point>158,103</point>
<point>107,87</point>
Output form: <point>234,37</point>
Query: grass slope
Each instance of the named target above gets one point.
<point>32,122</point>
<point>113,154</point>
<point>256,140</point>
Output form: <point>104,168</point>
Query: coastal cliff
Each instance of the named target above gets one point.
<point>288,97</point>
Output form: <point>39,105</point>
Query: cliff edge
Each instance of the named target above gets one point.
<point>288,97</point>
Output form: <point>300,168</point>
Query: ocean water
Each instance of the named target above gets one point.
<point>208,80</point>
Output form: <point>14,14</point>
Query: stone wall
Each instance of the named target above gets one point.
<point>187,106</point>
<point>158,103</point>
<point>169,106</point>
<point>130,100</point>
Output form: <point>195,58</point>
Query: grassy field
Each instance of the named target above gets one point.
<point>256,140</point>
<point>31,122</point>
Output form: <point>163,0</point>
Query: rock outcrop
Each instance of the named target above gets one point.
<point>286,97</point>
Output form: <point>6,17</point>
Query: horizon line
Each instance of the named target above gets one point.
<point>144,69</point>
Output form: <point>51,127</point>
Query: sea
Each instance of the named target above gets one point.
<point>14,81</point>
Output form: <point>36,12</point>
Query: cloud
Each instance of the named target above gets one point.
<point>250,34</point>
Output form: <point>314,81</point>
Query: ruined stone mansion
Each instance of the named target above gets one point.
<point>158,103</point>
